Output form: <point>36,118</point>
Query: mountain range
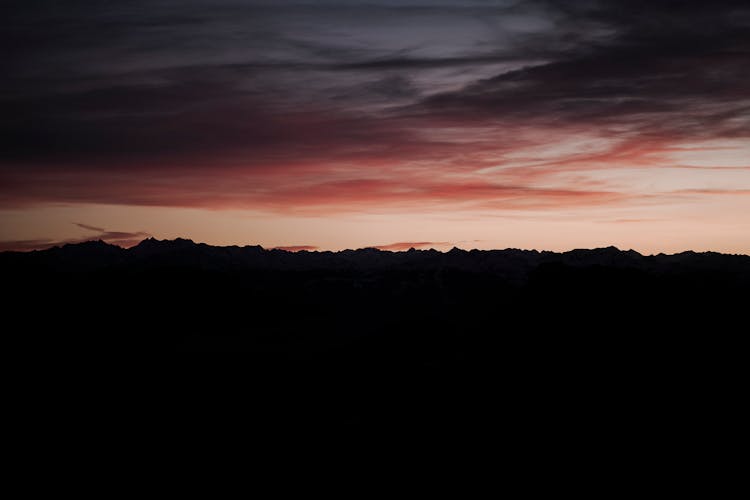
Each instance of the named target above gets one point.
<point>354,309</point>
<point>511,264</point>
<point>380,331</point>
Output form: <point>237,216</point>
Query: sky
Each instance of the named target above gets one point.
<point>327,125</point>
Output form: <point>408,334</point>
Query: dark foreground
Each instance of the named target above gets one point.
<point>368,306</point>
<point>417,324</point>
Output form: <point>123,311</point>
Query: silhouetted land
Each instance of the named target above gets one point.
<point>387,307</point>
<point>455,322</point>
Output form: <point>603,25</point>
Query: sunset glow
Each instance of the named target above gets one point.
<point>332,125</point>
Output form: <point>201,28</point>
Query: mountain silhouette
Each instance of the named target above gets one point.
<point>510,263</point>
<point>464,323</point>
<point>192,296</point>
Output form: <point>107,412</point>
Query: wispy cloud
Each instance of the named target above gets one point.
<point>631,221</point>
<point>90,228</point>
<point>457,106</point>
<point>719,192</point>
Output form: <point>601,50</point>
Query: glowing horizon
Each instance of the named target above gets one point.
<point>450,123</point>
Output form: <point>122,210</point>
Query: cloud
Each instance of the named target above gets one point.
<point>284,193</point>
<point>421,63</point>
<point>472,106</point>
<point>90,228</point>
<point>631,221</point>
<point>720,192</point>
<point>654,75</point>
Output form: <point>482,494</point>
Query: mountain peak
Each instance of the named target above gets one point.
<point>88,244</point>
<point>153,242</point>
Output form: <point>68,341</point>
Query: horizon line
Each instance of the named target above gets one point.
<point>398,247</point>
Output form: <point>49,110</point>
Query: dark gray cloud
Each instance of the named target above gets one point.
<point>666,68</point>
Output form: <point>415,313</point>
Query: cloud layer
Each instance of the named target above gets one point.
<point>313,108</point>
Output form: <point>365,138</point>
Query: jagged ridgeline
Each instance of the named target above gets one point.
<point>417,306</point>
<point>515,263</point>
